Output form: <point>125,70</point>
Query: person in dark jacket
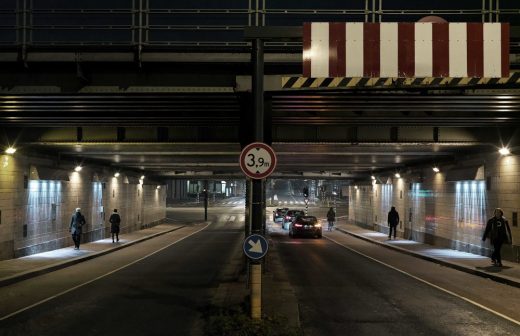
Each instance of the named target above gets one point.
<point>115,220</point>
<point>331,218</point>
<point>76,224</point>
<point>393,221</point>
<point>498,231</point>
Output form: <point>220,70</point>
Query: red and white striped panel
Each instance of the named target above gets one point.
<point>390,49</point>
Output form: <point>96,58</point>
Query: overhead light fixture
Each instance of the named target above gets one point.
<point>78,168</point>
<point>116,174</point>
<point>435,169</point>
<point>355,187</point>
<point>142,177</point>
<point>373,177</point>
<point>158,187</point>
<point>504,151</point>
<point>10,150</point>
<point>397,175</point>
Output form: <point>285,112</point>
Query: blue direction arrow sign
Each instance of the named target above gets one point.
<point>255,246</point>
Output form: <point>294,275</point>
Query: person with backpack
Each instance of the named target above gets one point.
<point>115,220</point>
<point>76,224</point>
<point>393,221</point>
<point>498,231</point>
<point>331,218</point>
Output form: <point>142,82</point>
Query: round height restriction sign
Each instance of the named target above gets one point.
<point>257,160</point>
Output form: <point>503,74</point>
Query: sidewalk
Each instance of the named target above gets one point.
<point>14,270</point>
<point>462,261</point>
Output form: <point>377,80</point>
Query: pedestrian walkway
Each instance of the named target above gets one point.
<point>14,270</point>
<point>466,262</point>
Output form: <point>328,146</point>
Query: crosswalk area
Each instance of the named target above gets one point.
<point>235,203</point>
<point>241,202</point>
<point>293,203</point>
<point>232,203</point>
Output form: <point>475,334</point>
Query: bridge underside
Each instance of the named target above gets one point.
<point>346,134</point>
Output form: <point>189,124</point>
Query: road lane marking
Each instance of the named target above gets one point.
<point>510,319</point>
<point>97,278</point>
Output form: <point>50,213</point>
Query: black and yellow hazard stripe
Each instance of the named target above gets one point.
<point>396,82</point>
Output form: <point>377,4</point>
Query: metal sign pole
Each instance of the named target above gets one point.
<point>257,35</point>
<point>257,202</point>
<point>256,291</point>
<point>206,200</point>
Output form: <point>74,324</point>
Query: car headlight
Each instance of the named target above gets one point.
<point>317,225</point>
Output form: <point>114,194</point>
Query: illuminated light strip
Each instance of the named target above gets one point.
<point>510,319</point>
<point>97,278</point>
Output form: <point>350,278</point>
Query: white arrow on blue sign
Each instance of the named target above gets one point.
<point>255,246</point>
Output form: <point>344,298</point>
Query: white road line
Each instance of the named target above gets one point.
<point>429,283</point>
<point>95,279</point>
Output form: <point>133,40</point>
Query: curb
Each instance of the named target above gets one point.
<point>502,279</point>
<point>54,267</point>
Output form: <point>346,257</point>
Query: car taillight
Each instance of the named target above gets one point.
<point>298,225</point>
<point>287,217</point>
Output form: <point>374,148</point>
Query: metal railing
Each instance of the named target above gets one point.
<point>27,24</point>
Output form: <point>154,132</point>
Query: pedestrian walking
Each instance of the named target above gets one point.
<point>76,225</point>
<point>115,220</point>
<point>498,231</point>
<point>331,218</point>
<point>393,221</point>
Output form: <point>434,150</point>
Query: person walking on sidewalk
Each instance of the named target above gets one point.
<point>498,231</point>
<point>76,224</point>
<point>393,221</point>
<point>115,220</point>
<point>331,218</point>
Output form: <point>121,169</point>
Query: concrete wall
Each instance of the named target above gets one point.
<point>36,210</point>
<point>435,210</point>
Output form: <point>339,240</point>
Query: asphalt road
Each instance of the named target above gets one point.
<point>160,287</point>
<point>341,292</point>
<point>163,293</point>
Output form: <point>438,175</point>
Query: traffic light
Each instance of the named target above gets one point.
<point>305,192</point>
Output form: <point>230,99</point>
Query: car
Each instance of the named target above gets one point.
<point>278,214</point>
<point>291,216</point>
<point>305,226</point>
